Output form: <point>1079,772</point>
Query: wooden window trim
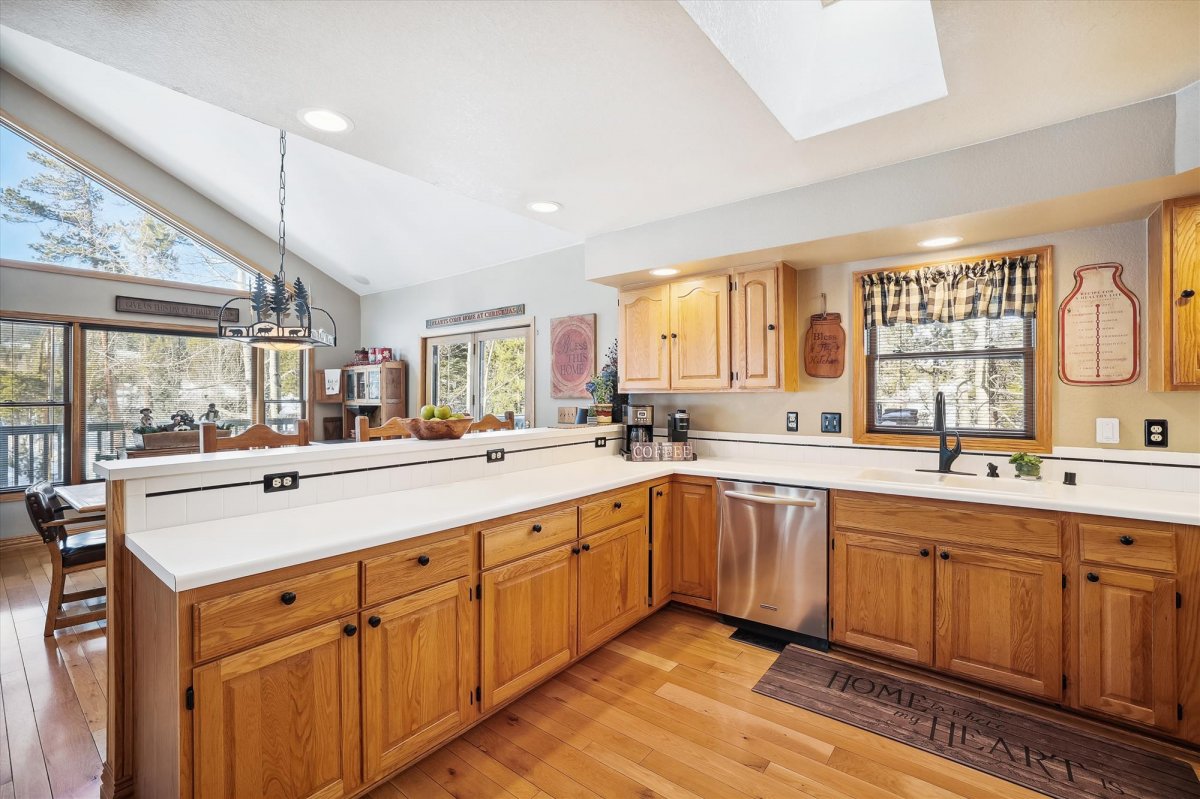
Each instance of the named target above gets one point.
<point>1043,439</point>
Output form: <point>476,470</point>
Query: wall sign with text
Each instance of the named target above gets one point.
<point>1098,329</point>
<point>475,316</point>
<point>572,355</point>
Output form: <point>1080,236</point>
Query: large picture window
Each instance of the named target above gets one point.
<point>34,402</point>
<point>54,211</point>
<point>975,331</point>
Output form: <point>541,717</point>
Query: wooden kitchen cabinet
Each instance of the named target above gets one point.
<point>1127,645</point>
<point>881,595</point>
<point>528,617</point>
<point>280,719</point>
<point>1173,304</point>
<point>643,340</point>
<point>662,521</point>
<point>694,542</point>
<point>700,334</point>
<point>613,574</point>
<point>418,673</point>
<point>998,619</point>
<point>766,353</point>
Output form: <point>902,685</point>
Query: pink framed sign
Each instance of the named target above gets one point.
<point>572,355</point>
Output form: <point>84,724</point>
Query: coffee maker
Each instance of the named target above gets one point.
<point>639,425</point>
<point>677,426</point>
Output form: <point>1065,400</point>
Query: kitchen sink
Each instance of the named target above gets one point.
<point>966,482</point>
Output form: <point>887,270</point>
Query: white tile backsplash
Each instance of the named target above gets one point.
<point>202,506</point>
<point>240,501</point>
<point>168,511</point>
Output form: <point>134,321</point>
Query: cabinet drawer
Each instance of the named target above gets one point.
<point>511,541</point>
<point>1118,545</point>
<point>233,622</point>
<point>414,568</point>
<point>617,508</point>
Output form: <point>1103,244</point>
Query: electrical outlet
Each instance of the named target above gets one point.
<point>600,442</point>
<point>1156,432</point>
<point>495,455</point>
<point>281,481</point>
<point>831,422</point>
<point>793,421</point>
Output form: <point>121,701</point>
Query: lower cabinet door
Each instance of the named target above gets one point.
<point>661,525</point>
<point>999,619</point>
<point>694,540</point>
<point>528,622</point>
<point>418,674</point>
<point>1127,645</point>
<point>881,596</point>
<point>613,574</point>
<point>281,719</point>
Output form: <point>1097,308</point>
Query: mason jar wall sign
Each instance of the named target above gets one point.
<point>1098,326</point>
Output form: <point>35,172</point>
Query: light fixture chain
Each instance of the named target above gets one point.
<point>282,198</point>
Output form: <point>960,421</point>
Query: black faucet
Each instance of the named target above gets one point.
<point>946,455</point>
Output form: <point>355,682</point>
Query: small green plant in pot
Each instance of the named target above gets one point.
<point>1028,466</point>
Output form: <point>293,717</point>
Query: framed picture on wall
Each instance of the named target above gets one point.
<point>572,355</point>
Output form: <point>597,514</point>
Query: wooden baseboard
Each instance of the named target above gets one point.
<point>19,542</point>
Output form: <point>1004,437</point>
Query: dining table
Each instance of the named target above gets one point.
<point>84,497</point>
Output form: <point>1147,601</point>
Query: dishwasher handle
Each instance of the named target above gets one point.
<point>770,500</point>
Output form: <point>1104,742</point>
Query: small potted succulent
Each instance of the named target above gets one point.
<point>1028,466</point>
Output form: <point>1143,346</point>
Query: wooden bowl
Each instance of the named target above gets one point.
<point>434,429</point>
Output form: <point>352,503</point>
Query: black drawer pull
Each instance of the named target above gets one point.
<point>537,528</point>
<point>1093,577</point>
<point>574,550</point>
<point>1127,540</point>
<point>423,560</point>
<point>944,555</point>
<point>616,506</point>
<point>924,553</point>
<point>770,327</point>
<point>349,630</point>
<point>287,597</point>
<point>587,547</point>
<point>374,621</point>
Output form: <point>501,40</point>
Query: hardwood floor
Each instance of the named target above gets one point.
<point>665,710</point>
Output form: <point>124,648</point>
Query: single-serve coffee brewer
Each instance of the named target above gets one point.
<point>677,426</point>
<point>639,425</point>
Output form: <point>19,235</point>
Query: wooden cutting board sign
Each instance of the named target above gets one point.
<point>825,346</point>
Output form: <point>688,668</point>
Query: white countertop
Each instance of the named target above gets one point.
<point>195,555</point>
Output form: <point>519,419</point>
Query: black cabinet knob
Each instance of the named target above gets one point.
<point>616,506</point>
<point>574,550</point>
<point>924,553</point>
<point>287,597</point>
<point>1187,294</point>
<point>349,630</point>
<point>674,335</point>
<point>374,621</point>
<point>770,327</point>
<point>664,336</point>
<point>944,555</point>
<point>587,547</point>
<point>537,528</point>
<point>423,560</point>
<point>1127,540</point>
<point>658,493</point>
<point>1093,577</point>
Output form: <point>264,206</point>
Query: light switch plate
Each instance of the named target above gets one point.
<point>831,422</point>
<point>1108,431</point>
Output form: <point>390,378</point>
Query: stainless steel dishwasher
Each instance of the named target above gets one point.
<point>773,556</point>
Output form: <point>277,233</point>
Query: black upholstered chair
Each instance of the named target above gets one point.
<point>76,543</point>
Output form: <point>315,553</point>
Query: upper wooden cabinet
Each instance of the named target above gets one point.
<point>729,331</point>
<point>643,340</point>
<point>1173,304</point>
<point>281,719</point>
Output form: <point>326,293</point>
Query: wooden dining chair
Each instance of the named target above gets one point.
<point>76,543</point>
<point>392,428</point>
<point>256,436</point>
<point>491,422</point>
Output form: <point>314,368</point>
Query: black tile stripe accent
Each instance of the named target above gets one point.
<point>483,456</point>
<point>965,452</point>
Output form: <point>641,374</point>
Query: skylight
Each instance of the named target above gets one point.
<point>820,67</point>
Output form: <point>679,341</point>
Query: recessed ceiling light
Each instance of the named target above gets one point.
<point>361,279</point>
<point>326,120</point>
<point>940,241</point>
<point>544,207</point>
<point>664,272</point>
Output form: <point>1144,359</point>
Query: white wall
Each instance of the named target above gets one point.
<point>550,285</point>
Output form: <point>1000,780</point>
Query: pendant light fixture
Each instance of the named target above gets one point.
<point>281,314</point>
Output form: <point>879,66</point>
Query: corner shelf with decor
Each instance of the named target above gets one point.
<point>378,391</point>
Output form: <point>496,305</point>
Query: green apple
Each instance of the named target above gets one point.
<point>443,412</point>
<point>428,411</point>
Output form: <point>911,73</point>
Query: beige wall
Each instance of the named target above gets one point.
<point>23,290</point>
<point>1075,407</point>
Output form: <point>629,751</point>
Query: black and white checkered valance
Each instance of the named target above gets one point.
<point>951,292</point>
